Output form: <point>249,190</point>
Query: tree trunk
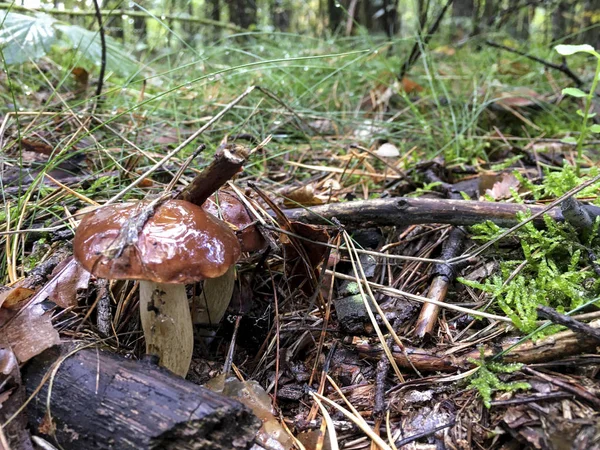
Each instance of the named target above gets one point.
<point>103,401</point>
<point>462,15</point>
<point>281,15</point>
<point>591,23</point>
<point>242,13</point>
<point>336,10</point>
<point>559,21</point>
<point>213,12</point>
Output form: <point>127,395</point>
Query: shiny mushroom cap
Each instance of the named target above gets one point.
<point>180,243</point>
<point>230,208</point>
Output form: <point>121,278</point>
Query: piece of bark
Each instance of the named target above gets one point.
<point>401,211</point>
<point>576,214</point>
<point>550,348</point>
<point>103,401</point>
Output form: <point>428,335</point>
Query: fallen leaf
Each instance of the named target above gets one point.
<point>253,396</point>
<point>29,333</point>
<point>502,188</point>
<point>8,362</point>
<point>409,86</point>
<point>519,98</point>
<point>507,66</point>
<point>81,77</point>
<point>304,196</point>
<point>63,290</point>
<point>445,50</point>
<point>13,297</point>
<point>37,146</point>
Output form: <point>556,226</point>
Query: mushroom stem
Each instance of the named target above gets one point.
<point>212,304</point>
<point>167,324</point>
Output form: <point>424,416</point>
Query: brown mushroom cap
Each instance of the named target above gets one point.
<point>180,243</point>
<point>229,207</point>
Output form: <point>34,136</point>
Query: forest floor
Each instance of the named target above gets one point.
<point>462,167</point>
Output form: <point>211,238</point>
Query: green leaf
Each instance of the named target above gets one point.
<point>567,50</point>
<point>24,38</point>
<point>88,43</point>
<point>574,92</point>
<point>595,128</point>
<point>580,113</point>
<point>569,140</point>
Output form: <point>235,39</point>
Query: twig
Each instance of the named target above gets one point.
<point>423,434</point>
<point>416,50</point>
<point>562,68</point>
<point>444,275</point>
<point>550,348</point>
<point>401,211</point>
<point>579,327</point>
<point>577,390</point>
<point>103,47</point>
<point>228,161</point>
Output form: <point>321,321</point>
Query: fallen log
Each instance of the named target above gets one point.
<point>400,211</point>
<point>102,401</point>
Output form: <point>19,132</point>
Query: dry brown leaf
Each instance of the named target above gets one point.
<point>519,98</point>
<point>63,290</point>
<point>29,333</point>
<point>253,396</point>
<point>81,77</point>
<point>14,297</point>
<point>502,188</point>
<point>36,146</point>
<point>445,50</point>
<point>409,86</point>
<point>8,363</point>
<point>507,66</point>
<point>304,196</point>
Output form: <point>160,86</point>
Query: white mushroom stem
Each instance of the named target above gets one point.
<point>167,324</point>
<point>211,305</point>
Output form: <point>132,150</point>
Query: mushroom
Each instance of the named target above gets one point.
<point>179,243</point>
<point>230,208</point>
<point>210,308</point>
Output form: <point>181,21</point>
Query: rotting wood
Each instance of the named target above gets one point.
<point>103,401</point>
<point>400,211</point>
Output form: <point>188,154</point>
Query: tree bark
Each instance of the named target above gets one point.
<point>103,401</point>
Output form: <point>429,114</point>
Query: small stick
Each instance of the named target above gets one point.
<point>562,68</point>
<point>579,327</point>
<point>444,276</point>
<point>550,348</point>
<point>103,48</point>
<point>400,211</point>
<point>579,391</point>
<point>228,161</point>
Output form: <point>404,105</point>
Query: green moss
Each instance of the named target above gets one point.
<point>552,270</point>
<point>486,380</point>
